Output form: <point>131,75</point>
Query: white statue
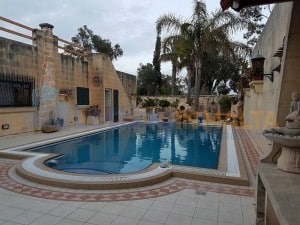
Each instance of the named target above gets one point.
<point>292,126</point>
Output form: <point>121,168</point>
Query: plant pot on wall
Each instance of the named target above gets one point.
<point>92,114</point>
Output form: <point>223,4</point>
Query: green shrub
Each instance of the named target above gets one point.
<point>175,104</point>
<point>225,104</point>
<point>149,102</point>
<point>164,103</point>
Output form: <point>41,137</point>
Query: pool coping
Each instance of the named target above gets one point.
<point>33,169</point>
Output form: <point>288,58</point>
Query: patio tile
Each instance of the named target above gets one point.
<point>73,204</point>
<point>168,198</point>
<point>228,217</point>
<point>144,203</point>
<point>44,207</point>
<point>26,217</point>
<point>187,201</point>
<point>10,223</point>
<point>163,206</point>
<point>133,212</point>
<point>185,210</point>
<point>125,221</point>
<point>46,220</point>
<point>81,215</point>
<point>208,204</point>
<point>113,208</point>
<point>156,216</point>
<point>249,214</point>
<point>62,211</point>
<point>227,207</point>
<point>223,223</point>
<point>143,222</point>
<point>102,218</point>
<point>10,212</point>
<point>95,206</point>
<point>191,193</point>
<point>210,196</point>
<point>174,219</point>
<point>247,200</point>
<point>25,203</point>
<point>199,221</point>
<point>233,199</point>
<point>5,199</point>
<point>69,222</point>
<point>206,214</point>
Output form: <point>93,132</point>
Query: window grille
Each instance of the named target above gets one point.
<point>16,90</point>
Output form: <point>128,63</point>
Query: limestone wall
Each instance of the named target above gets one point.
<point>266,103</point>
<point>129,83</point>
<point>55,73</point>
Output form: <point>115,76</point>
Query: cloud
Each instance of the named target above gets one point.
<point>131,23</point>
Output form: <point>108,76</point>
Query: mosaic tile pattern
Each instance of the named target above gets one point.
<point>9,184</point>
<point>250,150</point>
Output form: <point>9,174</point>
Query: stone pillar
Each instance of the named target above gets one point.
<point>47,49</point>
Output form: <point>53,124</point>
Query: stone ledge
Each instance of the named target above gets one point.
<point>17,109</point>
<point>282,190</point>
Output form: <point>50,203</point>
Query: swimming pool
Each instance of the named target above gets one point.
<point>134,147</point>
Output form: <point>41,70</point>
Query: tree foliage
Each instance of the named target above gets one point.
<point>225,104</point>
<point>200,37</point>
<point>147,82</point>
<point>254,17</point>
<point>90,41</point>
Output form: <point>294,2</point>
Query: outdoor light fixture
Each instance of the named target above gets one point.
<point>258,67</point>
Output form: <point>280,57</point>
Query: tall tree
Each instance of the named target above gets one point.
<point>90,41</point>
<point>84,37</point>
<point>203,35</point>
<point>156,62</point>
<point>255,24</point>
<point>147,80</point>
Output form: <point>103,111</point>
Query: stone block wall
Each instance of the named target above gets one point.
<point>266,103</point>
<point>55,73</point>
<point>129,83</point>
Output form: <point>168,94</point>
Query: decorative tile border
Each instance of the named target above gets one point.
<point>250,150</point>
<point>9,184</point>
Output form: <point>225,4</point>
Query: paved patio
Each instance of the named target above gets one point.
<point>175,201</point>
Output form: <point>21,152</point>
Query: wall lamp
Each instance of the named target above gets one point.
<point>258,67</point>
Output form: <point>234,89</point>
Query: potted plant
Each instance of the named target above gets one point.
<point>51,125</point>
<point>92,113</point>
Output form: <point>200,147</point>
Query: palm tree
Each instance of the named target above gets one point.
<point>170,54</point>
<point>199,36</point>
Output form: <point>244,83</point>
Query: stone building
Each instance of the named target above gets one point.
<point>38,79</point>
<point>267,103</point>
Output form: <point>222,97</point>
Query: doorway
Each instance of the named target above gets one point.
<point>111,105</point>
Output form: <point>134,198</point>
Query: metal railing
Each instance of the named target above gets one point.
<point>67,46</point>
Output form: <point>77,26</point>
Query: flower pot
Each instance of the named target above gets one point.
<point>92,120</point>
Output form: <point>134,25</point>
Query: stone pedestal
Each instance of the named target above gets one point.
<point>289,160</point>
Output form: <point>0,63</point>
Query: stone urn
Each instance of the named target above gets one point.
<point>288,138</point>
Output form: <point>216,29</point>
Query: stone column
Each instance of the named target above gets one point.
<point>47,46</point>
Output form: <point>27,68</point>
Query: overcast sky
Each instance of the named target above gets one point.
<point>131,23</point>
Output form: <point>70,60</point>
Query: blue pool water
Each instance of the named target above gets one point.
<point>134,147</point>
